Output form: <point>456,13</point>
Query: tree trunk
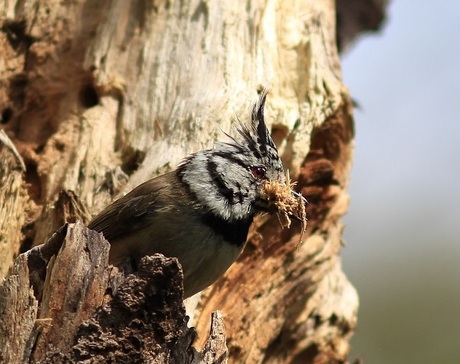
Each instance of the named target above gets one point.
<point>97,97</point>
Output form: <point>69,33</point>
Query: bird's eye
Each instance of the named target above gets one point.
<point>258,172</point>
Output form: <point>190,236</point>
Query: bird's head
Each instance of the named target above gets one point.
<point>231,178</point>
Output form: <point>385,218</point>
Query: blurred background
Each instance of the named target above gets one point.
<point>403,226</point>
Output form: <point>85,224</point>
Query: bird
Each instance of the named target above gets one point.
<point>201,211</point>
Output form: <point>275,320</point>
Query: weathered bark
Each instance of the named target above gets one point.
<point>97,97</point>
<point>13,198</point>
<point>355,17</point>
<point>140,318</point>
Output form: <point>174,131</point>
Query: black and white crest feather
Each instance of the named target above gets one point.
<point>229,167</point>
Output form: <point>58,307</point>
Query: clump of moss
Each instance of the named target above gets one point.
<point>287,203</point>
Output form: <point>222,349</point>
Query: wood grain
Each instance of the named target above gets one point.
<point>97,97</point>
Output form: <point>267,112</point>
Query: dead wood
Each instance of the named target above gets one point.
<point>97,97</point>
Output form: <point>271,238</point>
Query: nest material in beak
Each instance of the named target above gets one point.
<point>287,204</point>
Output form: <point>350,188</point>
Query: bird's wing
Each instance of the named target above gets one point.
<point>132,211</point>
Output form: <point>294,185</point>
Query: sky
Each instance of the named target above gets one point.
<point>402,234</point>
